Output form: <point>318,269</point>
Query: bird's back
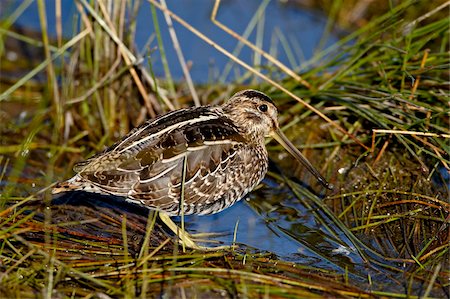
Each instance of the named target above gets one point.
<point>199,150</point>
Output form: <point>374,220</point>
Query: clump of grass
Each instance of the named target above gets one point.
<point>352,13</point>
<point>385,85</point>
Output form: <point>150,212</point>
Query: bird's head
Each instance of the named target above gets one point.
<point>257,116</point>
<point>254,112</point>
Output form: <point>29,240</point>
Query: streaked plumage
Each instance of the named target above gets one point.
<point>221,147</point>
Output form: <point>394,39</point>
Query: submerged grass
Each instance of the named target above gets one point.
<point>382,232</point>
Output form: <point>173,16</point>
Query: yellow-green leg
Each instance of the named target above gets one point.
<point>184,237</point>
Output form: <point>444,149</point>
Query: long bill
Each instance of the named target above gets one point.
<point>282,139</point>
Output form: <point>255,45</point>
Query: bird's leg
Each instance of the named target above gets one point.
<point>184,237</point>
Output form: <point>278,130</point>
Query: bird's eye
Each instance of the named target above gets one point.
<point>262,108</point>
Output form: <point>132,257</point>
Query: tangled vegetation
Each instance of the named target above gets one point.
<point>381,137</point>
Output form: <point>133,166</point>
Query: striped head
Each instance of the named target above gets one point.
<point>254,112</point>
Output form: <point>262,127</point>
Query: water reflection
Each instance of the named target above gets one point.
<point>275,221</point>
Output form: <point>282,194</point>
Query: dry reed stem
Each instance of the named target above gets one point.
<point>409,26</point>
<point>181,60</point>
<point>403,132</point>
<point>255,48</point>
<point>407,201</point>
<point>417,81</point>
<point>380,154</point>
<point>58,22</point>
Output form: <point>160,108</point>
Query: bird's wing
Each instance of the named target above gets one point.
<point>203,174</point>
<point>143,135</point>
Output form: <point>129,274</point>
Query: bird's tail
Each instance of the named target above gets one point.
<point>78,183</point>
<point>74,184</point>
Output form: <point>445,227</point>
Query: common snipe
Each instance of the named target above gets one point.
<point>214,155</point>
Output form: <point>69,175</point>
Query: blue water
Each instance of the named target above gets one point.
<point>302,30</point>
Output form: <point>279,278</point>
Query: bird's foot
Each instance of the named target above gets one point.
<point>190,241</point>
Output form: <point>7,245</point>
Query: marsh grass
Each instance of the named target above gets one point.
<point>383,231</point>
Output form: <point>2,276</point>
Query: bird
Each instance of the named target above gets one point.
<point>198,160</point>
